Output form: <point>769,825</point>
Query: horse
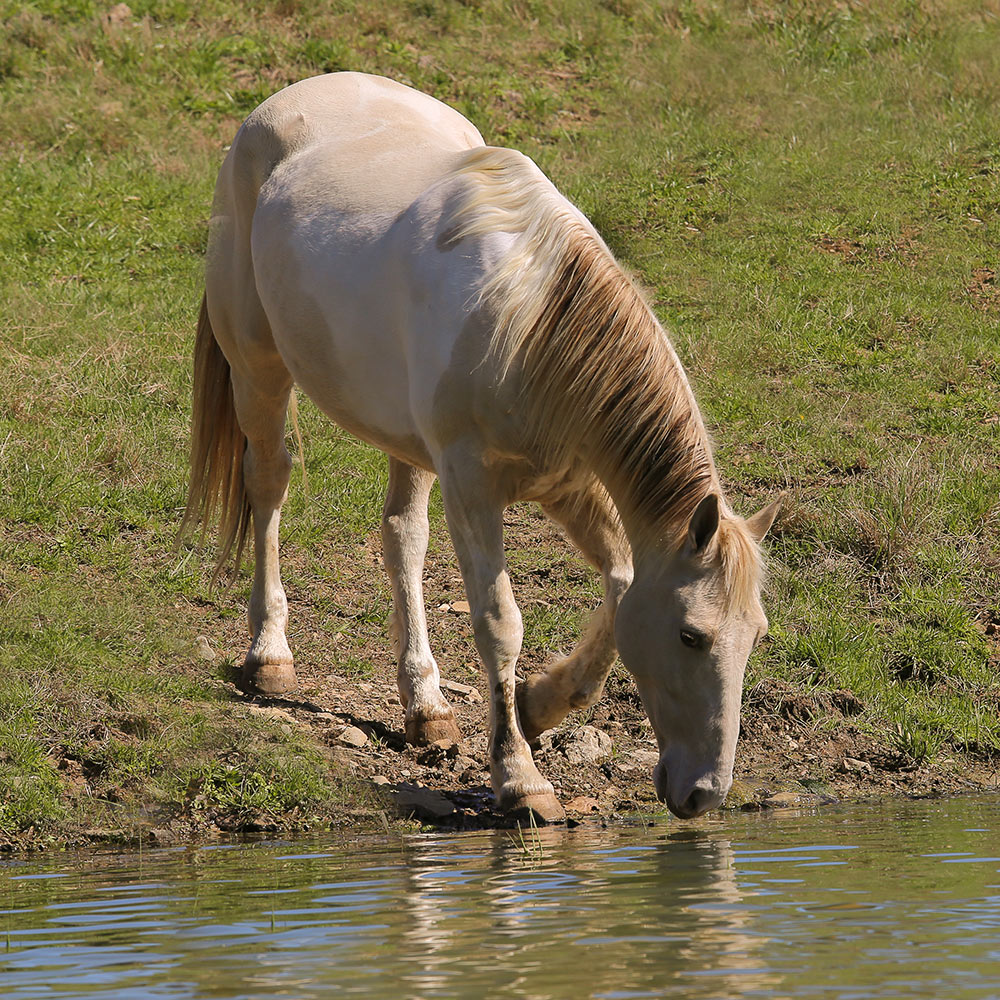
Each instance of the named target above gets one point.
<point>438,298</point>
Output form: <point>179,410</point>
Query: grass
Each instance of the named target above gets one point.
<point>810,193</point>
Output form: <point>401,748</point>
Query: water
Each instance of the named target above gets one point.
<point>898,900</point>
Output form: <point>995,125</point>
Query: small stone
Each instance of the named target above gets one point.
<point>786,800</point>
<point>352,737</point>
<point>463,764</point>
<point>422,803</point>
<point>119,14</point>
<point>583,804</point>
<point>460,607</point>
<point>443,607</point>
<point>465,690</point>
<point>645,758</point>
<point>588,746</point>
<point>437,751</point>
<point>380,779</point>
<point>203,649</point>
<point>851,765</point>
<point>325,717</point>
<point>274,714</point>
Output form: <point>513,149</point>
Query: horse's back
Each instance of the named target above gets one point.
<point>370,145</point>
<point>334,190</point>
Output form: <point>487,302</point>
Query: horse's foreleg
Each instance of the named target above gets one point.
<point>475,519</point>
<point>266,468</point>
<point>577,681</point>
<point>405,531</point>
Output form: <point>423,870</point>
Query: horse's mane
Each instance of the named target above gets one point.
<point>598,375</point>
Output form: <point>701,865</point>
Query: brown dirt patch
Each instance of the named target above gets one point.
<point>983,289</point>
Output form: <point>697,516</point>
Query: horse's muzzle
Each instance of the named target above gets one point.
<point>694,800</point>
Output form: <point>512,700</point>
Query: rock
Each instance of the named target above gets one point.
<point>437,751</point>
<point>459,607</point>
<point>352,737</point>
<point>645,758</point>
<point>465,690</point>
<point>583,804</point>
<point>275,714</point>
<point>203,650</point>
<point>380,779</point>
<point>746,793</point>
<point>588,746</point>
<point>851,765</point>
<point>118,15</point>
<point>422,803</point>
<point>463,764</point>
<point>793,799</point>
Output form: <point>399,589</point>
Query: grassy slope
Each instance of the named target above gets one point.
<point>810,192</point>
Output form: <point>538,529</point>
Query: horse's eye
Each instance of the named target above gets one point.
<point>694,640</point>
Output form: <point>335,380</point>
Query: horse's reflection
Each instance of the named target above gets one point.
<point>557,912</point>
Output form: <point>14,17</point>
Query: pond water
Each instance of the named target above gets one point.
<point>894,900</point>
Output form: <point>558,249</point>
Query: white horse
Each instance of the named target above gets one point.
<point>440,299</point>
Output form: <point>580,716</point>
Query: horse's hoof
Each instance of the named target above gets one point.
<point>268,678</point>
<point>540,809</point>
<point>421,731</point>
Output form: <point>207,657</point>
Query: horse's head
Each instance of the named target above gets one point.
<point>685,629</point>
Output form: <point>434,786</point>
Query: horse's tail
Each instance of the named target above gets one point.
<point>216,492</point>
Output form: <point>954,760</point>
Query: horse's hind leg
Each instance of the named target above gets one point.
<point>429,717</point>
<point>266,468</point>
<point>474,507</point>
<point>577,681</point>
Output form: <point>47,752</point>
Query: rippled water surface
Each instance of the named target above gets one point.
<point>898,900</point>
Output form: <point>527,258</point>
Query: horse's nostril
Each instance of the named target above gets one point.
<point>700,801</point>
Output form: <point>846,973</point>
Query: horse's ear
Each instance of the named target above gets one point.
<point>704,524</point>
<point>761,522</point>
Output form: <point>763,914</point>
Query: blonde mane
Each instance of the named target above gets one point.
<point>597,374</point>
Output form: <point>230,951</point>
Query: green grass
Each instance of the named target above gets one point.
<point>810,193</point>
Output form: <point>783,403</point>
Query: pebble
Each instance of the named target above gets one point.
<point>645,758</point>
<point>203,649</point>
<point>423,803</point>
<point>851,764</point>
<point>465,690</point>
<point>277,714</point>
<point>589,745</point>
<point>352,737</point>
<point>583,804</point>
